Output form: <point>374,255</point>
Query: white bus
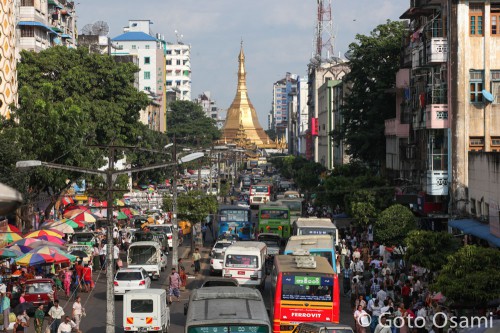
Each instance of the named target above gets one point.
<point>246,262</point>
<point>316,226</point>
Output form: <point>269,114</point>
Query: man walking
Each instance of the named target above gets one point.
<point>56,313</point>
<point>196,261</point>
<point>174,281</point>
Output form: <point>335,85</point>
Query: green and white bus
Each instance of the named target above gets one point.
<point>275,219</point>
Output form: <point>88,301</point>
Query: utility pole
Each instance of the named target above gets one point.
<point>110,297</point>
<point>175,234</point>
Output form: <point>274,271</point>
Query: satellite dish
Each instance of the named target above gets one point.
<point>100,28</point>
<point>87,29</point>
<point>488,96</point>
<point>348,55</point>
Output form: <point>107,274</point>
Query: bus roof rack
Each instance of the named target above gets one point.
<point>308,242</point>
<point>305,262</point>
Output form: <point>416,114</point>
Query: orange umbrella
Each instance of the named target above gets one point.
<point>84,217</point>
<point>72,212</point>
<point>39,233</point>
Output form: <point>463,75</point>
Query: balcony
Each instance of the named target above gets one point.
<point>437,50</point>
<point>27,13</point>
<point>437,182</point>
<point>436,116</point>
<point>394,128</point>
<point>417,56</point>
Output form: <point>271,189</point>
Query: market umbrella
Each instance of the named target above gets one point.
<point>9,237</point>
<point>71,223</point>
<point>19,248</point>
<point>12,228</point>
<point>21,307</point>
<point>72,212</point>
<point>79,254</point>
<point>9,253</point>
<point>121,216</point>
<point>33,259</point>
<point>38,233</point>
<point>84,217</point>
<point>62,227</point>
<point>58,255</point>
<point>39,243</point>
<point>119,202</point>
<point>51,239</point>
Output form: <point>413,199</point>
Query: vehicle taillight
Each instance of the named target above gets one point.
<point>116,283</point>
<point>142,283</point>
<point>169,237</point>
<point>211,261</point>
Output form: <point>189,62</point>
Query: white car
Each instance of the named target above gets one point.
<point>164,229</point>
<point>131,279</point>
<point>217,256</point>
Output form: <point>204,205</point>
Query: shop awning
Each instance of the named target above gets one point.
<point>35,24</point>
<point>475,228</point>
<point>66,36</point>
<point>54,3</point>
<point>56,29</point>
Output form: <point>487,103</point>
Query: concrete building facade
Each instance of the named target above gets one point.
<point>282,96</point>
<point>139,42</point>
<point>210,108</point>
<point>8,77</point>
<point>178,69</point>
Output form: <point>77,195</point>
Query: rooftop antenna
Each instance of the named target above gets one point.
<point>324,35</point>
<point>179,37</point>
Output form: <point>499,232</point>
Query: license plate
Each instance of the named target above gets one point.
<point>142,329</point>
<point>241,272</point>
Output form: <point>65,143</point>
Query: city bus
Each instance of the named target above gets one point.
<point>226,310</point>
<point>317,245</point>
<point>235,220</point>
<point>295,206</point>
<point>276,220</point>
<point>260,194</point>
<point>304,289</point>
<point>316,226</point>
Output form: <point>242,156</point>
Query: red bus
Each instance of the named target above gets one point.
<point>260,194</point>
<point>304,289</point>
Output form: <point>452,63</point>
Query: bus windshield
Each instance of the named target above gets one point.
<point>295,206</point>
<point>324,254</point>
<point>241,261</point>
<point>234,215</point>
<point>307,288</point>
<point>260,189</point>
<point>229,329</point>
<point>318,231</point>
<point>273,214</point>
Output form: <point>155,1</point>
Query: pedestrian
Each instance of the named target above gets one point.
<point>174,281</point>
<point>66,326</point>
<point>87,278</point>
<point>116,255</point>
<point>75,284</point>
<point>25,322</point>
<point>39,317</point>
<point>56,313</point>
<point>361,319</point>
<point>18,325</point>
<point>383,326</point>
<point>204,232</point>
<point>182,274</point>
<point>95,256</point>
<point>102,256</point>
<point>5,309</point>
<point>196,260</point>
<point>78,311</point>
<point>67,281</point>
<point>347,280</point>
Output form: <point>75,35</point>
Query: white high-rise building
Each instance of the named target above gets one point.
<point>138,41</point>
<point>178,68</point>
<point>210,108</point>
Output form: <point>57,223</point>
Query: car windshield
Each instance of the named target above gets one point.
<point>218,283</point>
<point>39,288</point>
<point>142,255</point>
<point>141,305</point>
<point>143,236</point>
<point>83,237</point>
<point>221,245</point>
<point>128,276</point>
<point>218,255</point>
<point>270,241</point>
<point>241,261</point>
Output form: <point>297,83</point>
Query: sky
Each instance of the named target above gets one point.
<point>277,36</point>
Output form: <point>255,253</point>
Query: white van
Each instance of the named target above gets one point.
<point>146,310</point>
<point>246,262</point>
<point>147,255</point>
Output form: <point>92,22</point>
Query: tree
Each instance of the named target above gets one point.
<point>393,224</point>
<point>190,126</point>
<point>471,276</point>
<point>429,249</point>
<point>361,206</point>
<point>373,62</point>
<point>69,102</point>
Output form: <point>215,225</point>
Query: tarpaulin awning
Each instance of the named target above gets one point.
<point>56,29</point>
<point>66,36</point>
<point>52,2</point>
<point>475,228</point>
<point>36,24</point>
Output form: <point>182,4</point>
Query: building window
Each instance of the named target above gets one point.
<point>177,52</point>
<point>169,51</point>
<point>495,85</point>
<point>147,60</point>
<point>147,88</point>
<point>178,62</point>
<point>134,47</point>
<point>27,3</point>
<point>476,86</point>
<point>473,207</point>
<point>476,143</point>
<point>28,32</point>
<point>169,62</point>
<point>495,143</point>
<point>495,19</point>
<point>177,83</point>
<point>147,75</point>
<point>146,47</point>
<point>476,16</point>
<point>169,83</point>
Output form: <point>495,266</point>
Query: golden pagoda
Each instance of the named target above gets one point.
<point>242,125</point>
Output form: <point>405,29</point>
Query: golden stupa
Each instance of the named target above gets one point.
<point>242,125</point>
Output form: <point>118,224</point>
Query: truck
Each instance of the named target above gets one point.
<point>146,310</point>
<point>147,255</point>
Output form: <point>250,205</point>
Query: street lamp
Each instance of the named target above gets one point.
<point>111,175</point>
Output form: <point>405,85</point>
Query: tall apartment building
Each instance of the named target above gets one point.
<point>297,119</point>
<point>139,42</point>
<point>8,77</point>
<point>318,74</point>
<point>210,108</point>
<point>443,146</point>
<point>279,114</point>
<point>178,69</point>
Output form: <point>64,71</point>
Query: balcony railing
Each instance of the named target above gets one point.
<point>437,116</point>
<point>437,50</point>
<point>437,182</point>
<point>437,94</point>
<point>394,127</point>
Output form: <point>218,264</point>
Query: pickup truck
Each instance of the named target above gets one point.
<point>147,255</point>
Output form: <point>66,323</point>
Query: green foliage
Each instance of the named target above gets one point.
<point>471,276</point>
<point>193,206</point>
<point>393,224</point>
<point>361,206</point>
<point>373,62</point>
<point>190,126</point>
<point>69,101</point>
<point>429,249</point>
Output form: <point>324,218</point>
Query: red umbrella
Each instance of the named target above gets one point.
<point>11,228</point>
<point>51,239</point>
<point>67,201</point>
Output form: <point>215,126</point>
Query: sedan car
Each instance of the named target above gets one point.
<point>217,256</point>
<point>131,279</point>
<point>219,282</point>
